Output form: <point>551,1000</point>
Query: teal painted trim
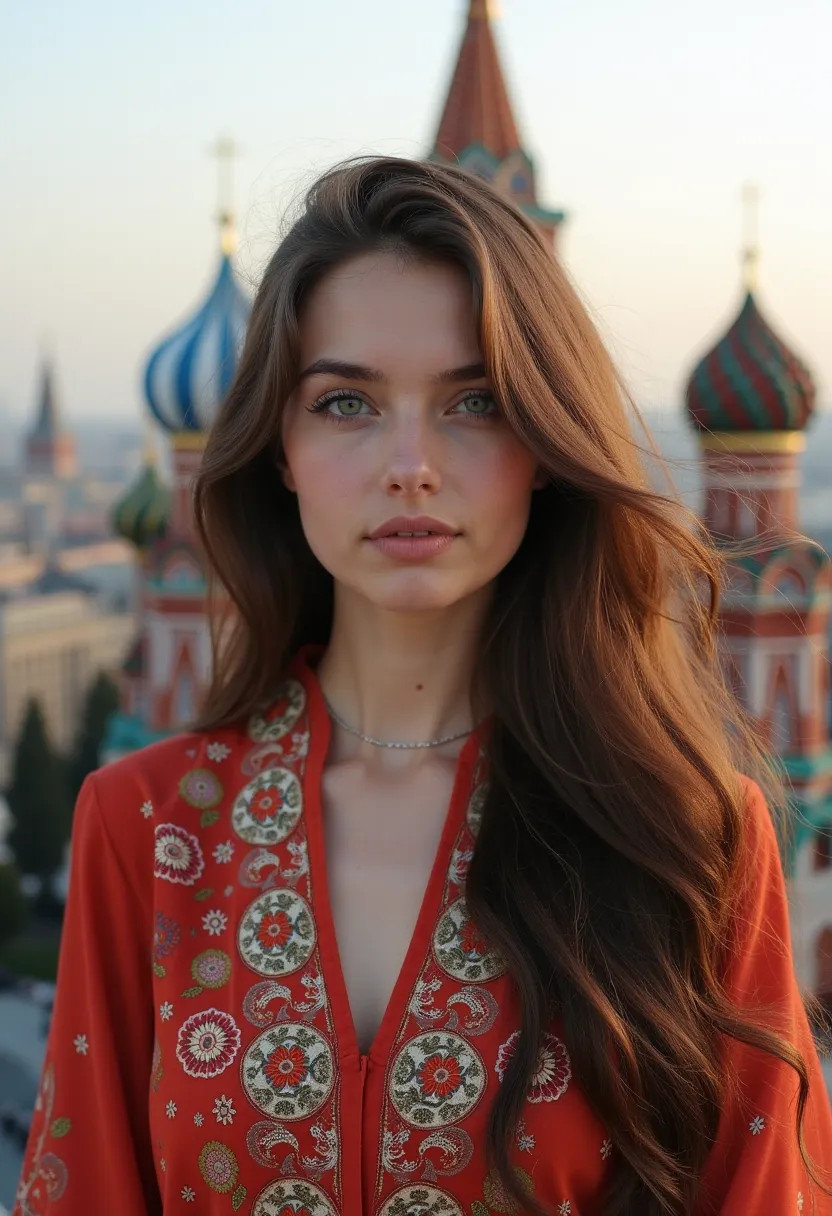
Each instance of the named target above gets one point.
<point>536,212</point>
<point>808,766</point>
<point>127,734</point>
<point>172,590</point>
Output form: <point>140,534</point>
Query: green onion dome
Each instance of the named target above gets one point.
<point>142,515</point>
<point>750,381</point>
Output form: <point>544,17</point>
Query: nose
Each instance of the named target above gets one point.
<point>412,461</point>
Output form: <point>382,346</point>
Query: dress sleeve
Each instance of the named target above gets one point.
<point>755,1167</point>
<point>89,1146</point>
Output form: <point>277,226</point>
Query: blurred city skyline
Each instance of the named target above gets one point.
<point>644,121</point>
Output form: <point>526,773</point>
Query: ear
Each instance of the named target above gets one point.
<point>286,475</point>
<point>541,479</point>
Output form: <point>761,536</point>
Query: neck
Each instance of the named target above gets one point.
<point>402,676</point>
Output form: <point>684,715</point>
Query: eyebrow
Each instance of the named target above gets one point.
<point>357,371</point>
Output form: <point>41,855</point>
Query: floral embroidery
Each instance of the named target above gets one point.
<point>201,788</point>
<point>217,751</point>
<point>170,1109</point>
<point>476,803</point>
<point>525,1142</point>
<point>224,1109</point>
<point>218,1166</point>
<point>288,1071</point>
<point>421,1201</point>
<point>214,922</point>
<point>552,1074</point>
<point>146,809</point>
<point>287,707</point>
<point>188,1195</point>
<point>208,1043</point>
<point>292,1197</point>
<point>460,951</point>
<point>268,808</point>
<point>178,856</point>
<point>165,1010</point>
<point>606,1149</point>
<point>166,936</point>
<point>800,1201</point>
<point>496,1198</point>
<point>565,1208</point>
<point>211,969</point>
<point>436,1079</point>
<point>47,1168</point>
<point>81,1045</point>
<point>277,933</point>
<point>224,852</point>
<point>757,1125</point>
<point>199,1119</point>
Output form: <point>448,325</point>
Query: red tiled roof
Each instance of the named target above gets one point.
<point>478,110</point>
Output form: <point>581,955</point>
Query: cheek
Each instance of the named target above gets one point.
<point>500,481</point>
<point>327,484</point>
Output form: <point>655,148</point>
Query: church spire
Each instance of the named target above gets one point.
<point>477,130</point>
<point>478,110</point>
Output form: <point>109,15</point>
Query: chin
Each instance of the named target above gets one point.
<point>414,591</point>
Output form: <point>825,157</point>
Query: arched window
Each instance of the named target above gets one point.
<point>184,705</point>
<point>782,727</point>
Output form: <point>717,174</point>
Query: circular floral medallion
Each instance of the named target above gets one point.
<point>211,968</point>
<point>437,1078</point>
<point>177,855</point>
<point>277,934</point>
<point>476,802</point>
<point>287,1071</point>
<point>292,1197</point>
<point>201,788</point>
<point>166,936</point>
<point>287,706</point>
<point>552,1073</point>
<point>268,808</point>
<point>421,1201</point>
<point>218,1166</point>
<point>460,951</point>
<point>207,1043</point>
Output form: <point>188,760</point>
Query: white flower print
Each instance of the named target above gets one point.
<point>199,1119</point>
<point>565,1208</point>
<point>606,1149</point>
<point>214,922</point>
<point>170,1109</point>
<point>224,852</point>
<point>217,751</point>
<point>165,1010</point>
<point>223,1109</point>
<point>163,1164</point>
<point>81,1044</point>
<point>800,1201</point>
<point>757,1125</point>
<point>146,809</point>
<point>525,1142</point>
<point>229,890</point>
<point>188,1195</point>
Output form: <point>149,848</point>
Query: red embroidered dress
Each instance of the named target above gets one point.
<point>202,1056</point>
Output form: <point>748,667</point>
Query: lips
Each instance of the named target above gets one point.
<point>409,527</point>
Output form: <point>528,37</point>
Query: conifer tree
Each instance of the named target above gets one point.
<point>37,801</point>
<point>100,704</point>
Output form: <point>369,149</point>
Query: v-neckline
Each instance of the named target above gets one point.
<point>320,735</point>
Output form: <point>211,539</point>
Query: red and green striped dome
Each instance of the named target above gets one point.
<point>750,381</point>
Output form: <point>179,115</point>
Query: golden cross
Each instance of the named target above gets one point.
<point>225,149</point>
<point>751,247</point>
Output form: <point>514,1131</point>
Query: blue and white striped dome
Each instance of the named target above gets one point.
<point>190,372</point>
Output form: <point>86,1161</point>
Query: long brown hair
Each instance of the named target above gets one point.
<point>607,859</point>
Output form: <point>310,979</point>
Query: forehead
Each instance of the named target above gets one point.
<point>379,309</point>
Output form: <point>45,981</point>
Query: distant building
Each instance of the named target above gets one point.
<point>477,129</point>
<point>750,399</point>
<point>53,643</point>
<point>50,448</point>
<point>186,379</point>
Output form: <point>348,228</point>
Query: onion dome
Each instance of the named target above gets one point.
<point>190,372</point>
<point>142,514</point>
<point>750,381</point>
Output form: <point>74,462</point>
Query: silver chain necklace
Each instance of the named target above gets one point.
<point>387,742</point>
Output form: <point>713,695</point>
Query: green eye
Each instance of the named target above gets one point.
<point>347,407</point>
<point>478,405</point>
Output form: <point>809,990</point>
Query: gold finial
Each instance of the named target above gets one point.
<point>487,10</point>
<point>225,150</point>
<point>149,455</point>
<point>751,248</point>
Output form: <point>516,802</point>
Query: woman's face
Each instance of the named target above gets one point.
<point>393,429</point>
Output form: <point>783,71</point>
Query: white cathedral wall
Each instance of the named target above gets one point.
<point>165,634</point>
<point>810,904</point>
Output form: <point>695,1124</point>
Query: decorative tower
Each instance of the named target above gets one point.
<point>185,381</point>
<point>50,450</point>
<point>477,129</point>
<point>750,399</point>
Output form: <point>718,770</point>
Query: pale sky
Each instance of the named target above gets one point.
<point>644,118</point>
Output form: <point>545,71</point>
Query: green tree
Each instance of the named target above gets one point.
<point>13,905</point>
<point>101,703</point>
<point>37,801</point>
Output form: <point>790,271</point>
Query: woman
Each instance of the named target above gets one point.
<point>465,896</point>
